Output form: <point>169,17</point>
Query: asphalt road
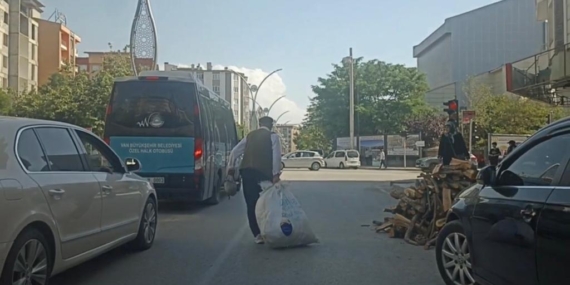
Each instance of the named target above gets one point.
<point>213,245</point>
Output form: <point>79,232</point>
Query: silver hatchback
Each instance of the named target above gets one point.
<point>65,197</point>
<point>303,159</point>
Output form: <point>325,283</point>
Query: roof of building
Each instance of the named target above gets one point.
<point>444,30</point>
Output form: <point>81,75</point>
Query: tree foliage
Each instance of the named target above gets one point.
<point>387,95</point>
<point>508,113</point>
<point>311,137</point>
<point>429,122</point>
<point>78,98</point>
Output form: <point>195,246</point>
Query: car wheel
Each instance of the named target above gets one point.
<point>453,255</point>
<point>215,199</point>
<point>315,166</point>
<point>282,165</point>
<point>29,260</point>
<point>341,165</point>
<point>147,227</point>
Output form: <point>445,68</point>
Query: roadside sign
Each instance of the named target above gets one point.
<point>468,116</point>
<point>420,143</point>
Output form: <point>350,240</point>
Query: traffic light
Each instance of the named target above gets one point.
<point>452,106</point>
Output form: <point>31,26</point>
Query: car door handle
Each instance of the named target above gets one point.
<point>107,188</point>
<point>528,214</point>
<point>56,193</point>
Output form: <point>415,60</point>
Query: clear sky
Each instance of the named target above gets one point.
<point>257,36</point>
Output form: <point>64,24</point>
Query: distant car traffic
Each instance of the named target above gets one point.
<point>343,159</point>
<point>65,197</point>
<point>512,226</point>
<point>303,159</point>
<point>428,163</point>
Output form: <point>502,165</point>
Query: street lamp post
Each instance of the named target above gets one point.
<point>350,61</point>
<point>259,87</point>
<point>279,117</point>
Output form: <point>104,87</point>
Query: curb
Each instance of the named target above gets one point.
<point>402,182</point>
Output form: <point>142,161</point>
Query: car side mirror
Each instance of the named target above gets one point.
<point>487,175</point>
<point>132,164</point>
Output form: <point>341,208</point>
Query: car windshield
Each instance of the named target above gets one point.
<point>352,154</point>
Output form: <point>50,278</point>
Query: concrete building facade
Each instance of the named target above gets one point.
<point>288,133</point>
<point>93,62</point>
<point>229,84</point>
<point>475,42</point>
<point>58,48</point>
<point>20,43</point>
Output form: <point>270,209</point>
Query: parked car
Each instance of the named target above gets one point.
<point>428,163</point>
<point>343,159</point>
<point>512,227</point>
<point>65,197</point>
<point>303,159</point>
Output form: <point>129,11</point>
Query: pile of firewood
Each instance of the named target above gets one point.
<point>421,210</point>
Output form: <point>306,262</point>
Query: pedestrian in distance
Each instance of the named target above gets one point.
<point>512,146</point>
<point>494,154</point>
<point>382,159</point>
<point>452,145</point>
<point>261,150</point>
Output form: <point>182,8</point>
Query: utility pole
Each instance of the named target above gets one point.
<point>351,62</point>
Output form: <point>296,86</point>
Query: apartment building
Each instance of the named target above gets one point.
<point>476,42</point>
<point>288,133</point>
<point>58,48</point>
<point>19,27</point>
<point>94,61</point>
<point>229,84</point>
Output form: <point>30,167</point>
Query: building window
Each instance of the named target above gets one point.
<point>34,51</point>
<point>201,76</point>
<point>83,67</point>
<point>34,32</point>
<point>4,82</point>
<point>216,76</point>
<point>5,40</point>
<point>5,61</point>
<point>6,18</point>
<point>216,88</point>
<point>95,67</point>
<point>33,69</point>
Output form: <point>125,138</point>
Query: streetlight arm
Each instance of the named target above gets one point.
<point>276,120</point>
<point>263,81</point>
<point>272,104</point>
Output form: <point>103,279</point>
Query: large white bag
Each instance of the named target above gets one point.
<point>280,218</point>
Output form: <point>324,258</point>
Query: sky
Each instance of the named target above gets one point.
<point>303,37</point>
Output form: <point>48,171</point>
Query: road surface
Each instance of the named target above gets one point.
<point>213,245</point>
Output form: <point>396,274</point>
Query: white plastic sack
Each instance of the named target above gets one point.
<point>280,218</point>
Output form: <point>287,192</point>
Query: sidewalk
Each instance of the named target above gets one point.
<point>392,168</point>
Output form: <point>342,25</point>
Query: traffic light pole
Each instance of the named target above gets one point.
<point>470,135</point>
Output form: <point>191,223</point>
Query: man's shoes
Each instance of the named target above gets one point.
<point>259,239</point>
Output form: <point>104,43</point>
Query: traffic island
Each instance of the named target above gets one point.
<point>421,210</point>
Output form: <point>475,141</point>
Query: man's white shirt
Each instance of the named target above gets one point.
<point>239,149</point>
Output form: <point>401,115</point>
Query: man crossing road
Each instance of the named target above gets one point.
<point>261,161</point>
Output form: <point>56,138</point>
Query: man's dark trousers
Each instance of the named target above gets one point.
<point>251,190</point>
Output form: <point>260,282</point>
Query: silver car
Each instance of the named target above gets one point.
<point>303,159</point>
<point>65,197</point>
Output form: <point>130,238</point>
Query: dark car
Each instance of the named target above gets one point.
<point>513,226</point>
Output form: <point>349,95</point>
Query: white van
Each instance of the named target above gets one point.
<point>343,159</point>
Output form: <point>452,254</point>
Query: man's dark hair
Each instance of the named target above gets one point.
<point>266,122</point>
<point>494,143</point>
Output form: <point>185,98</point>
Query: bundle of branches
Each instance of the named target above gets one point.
<point>421,210</point>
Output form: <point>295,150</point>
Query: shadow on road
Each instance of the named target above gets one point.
<point>86,271</point>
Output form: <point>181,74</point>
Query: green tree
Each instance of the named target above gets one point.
<point>387,95</point>
<point>312,137</point>
<point>240,131</point>
<point>75,98</point>
<point>429,122</point>
<point>6,100</point>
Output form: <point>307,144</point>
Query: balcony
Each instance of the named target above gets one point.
<point>535,76</point>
